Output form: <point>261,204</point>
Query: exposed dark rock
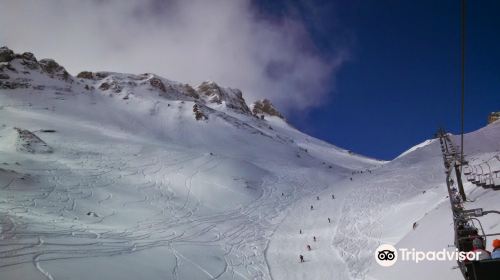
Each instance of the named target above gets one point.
<point>6,54</point>
<point>92,214</point>
<point>198,114</point>
<point>111,84</point>
<point>211,90</point>
<point>104,86</point>
<point>30,64</point>
<point>4,76</point>
<point>265,106</point>
<point>189,91</point>
<point>13,85</point>
<point>6,65</point>
<point>233,98</point>
<point>51,67</point>
<point>237,102</point>
<point>101,75</point>
<point>157,83</point>
<point>85,75</point>
<point>28,56</point>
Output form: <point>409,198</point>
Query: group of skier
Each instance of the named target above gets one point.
<point>308,247</point>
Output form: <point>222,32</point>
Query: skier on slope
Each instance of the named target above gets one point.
<point>312,207</point>
<point>333,196</point>
<point>329,221</point>
<point>317,198</point>
<point>314,238</point>
<point>308,247</point>
<point>301,258</point>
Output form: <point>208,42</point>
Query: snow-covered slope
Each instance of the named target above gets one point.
<point>118,176</point>
<point>184,182</point>
<point>380,207</point>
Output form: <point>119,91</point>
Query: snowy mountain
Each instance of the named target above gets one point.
<point>119,176</point>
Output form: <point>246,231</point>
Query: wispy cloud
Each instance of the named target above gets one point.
<point>188,41</point>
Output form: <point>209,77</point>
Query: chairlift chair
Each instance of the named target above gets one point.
<point>489,182</point>
<point>496,178</point>
<point>475,181</point>
<point>471,175</point>
<point>482,181</point>
<point>480,169</point>
<point>477,270</point>
<point>467,170</point>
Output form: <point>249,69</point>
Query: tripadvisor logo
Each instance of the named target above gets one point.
<point>387,255</point>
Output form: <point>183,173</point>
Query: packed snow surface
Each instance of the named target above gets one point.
<point>124,182</point>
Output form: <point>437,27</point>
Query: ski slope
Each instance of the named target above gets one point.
<point>120,180</point>
<point>380,207</point>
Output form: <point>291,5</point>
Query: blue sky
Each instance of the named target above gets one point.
<point>402,80</point>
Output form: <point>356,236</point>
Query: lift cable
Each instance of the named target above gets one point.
<point>462,83</point>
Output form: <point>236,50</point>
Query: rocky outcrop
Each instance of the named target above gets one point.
<point>233,98</point>
<point>52,68</point>
<point>198,113</point>
<point>85,75</point>
<point>93,75</point>
<point>7,84</point>
<point>28,56</point>
<point>212,91</point>
<point>111,85</point>
<point>101,75</point>
<point>189,91</point>
<point>157,83</point>
<point>6,54</point>
<point>16,72</point>
<point>493,117</point>
<point>104,86</point>
<point>265,107</point>
<point>29,60</point>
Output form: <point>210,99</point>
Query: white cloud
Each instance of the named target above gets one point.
<point>188,41</point>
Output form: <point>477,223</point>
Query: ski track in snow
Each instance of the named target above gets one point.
<point>243,232</point>
<point>368,202</point>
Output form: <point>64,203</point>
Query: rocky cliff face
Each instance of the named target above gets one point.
<point>232,98</point>
<point>20,70</point>
<point>265,107</point>
<point>16,70</point>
